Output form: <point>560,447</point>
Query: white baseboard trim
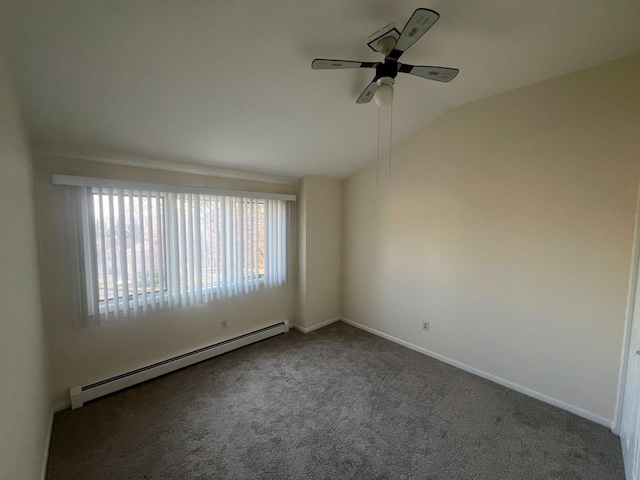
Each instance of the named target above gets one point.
<point>81,394</point>
<point>316,326</point>
<point>47,443</point>
<point>488,376</point>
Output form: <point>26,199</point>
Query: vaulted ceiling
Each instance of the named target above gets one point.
<point>229,83</point>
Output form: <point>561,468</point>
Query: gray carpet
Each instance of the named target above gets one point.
<point>334,403</point>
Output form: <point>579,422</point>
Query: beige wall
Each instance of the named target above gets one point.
<point>318,279</point>
<point>81,354</point>
<point>508,224</point>
<point>301,242</point>
<point>24,402</point>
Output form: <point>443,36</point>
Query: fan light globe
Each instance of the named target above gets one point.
<point>383,96</point>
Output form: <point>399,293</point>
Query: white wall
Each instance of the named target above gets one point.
<point>318,222</point>
<point>24,402</point>
<point>508,224</point>
<point>81,354</point>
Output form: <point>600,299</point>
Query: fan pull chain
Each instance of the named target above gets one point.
<point>378,153</point>
<point>390,139</point>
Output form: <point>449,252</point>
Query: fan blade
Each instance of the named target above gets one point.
<point>439,74</point>
<point>367,95</point>
<point>323,64</point>
<point>421,21</point>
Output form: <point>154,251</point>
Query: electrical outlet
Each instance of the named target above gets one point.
<point>223,324</point>
<point>425,326</point>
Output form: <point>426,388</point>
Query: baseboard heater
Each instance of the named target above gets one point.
<point>84,393</point>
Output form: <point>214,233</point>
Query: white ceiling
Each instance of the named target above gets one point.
<point>229,83</point>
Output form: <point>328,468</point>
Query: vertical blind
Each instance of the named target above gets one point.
<point>146,250</point>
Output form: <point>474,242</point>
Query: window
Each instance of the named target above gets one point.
<point>145,257</point>
<point>150,250</point>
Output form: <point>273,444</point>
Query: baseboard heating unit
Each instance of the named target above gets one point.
<point>84,393</point>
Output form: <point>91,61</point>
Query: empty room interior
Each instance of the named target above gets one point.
<point>352,239</point>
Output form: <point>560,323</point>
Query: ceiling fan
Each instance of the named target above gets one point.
<point>392,44</point>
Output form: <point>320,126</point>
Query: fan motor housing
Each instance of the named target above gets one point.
<point>389,68</point>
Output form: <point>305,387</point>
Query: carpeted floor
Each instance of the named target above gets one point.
<point>334,403</point>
